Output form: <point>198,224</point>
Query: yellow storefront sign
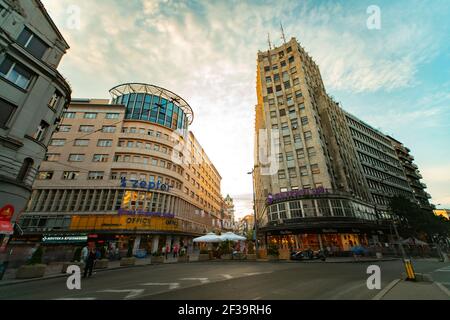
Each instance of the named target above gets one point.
<point>124,222</point>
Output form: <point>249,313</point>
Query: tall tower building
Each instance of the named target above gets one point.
<point>314,183</point>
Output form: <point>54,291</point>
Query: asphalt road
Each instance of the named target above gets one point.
<point>227,280</point>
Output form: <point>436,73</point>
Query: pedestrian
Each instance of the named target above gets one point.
<point>175,251</point>
<point>84,254</point>
<point>90,261</point>
<point>167,250</point>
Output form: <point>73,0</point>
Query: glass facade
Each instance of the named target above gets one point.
<point>153,108</point>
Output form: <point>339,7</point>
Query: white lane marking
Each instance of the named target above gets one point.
<point>257,298</point>
<point>133,293</point>
<point>227,276</point>
<point>87,298</point>
<point>202,280</point>
<point>256,273</point>
<point>172,285</point>
<point>386,289</point>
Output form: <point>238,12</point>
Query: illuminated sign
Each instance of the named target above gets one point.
<point>64,238</point>
<point>295,194</point>
<point>6,214</point>
<point>133,183</point>
<point>145,213</point>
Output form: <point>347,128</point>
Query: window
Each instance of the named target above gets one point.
<point>282,112</point>
<point>303,171</point>
<point>70,175</point>
<point>104,143</point>
<point>283,63</point>
<point>90,115</point>
<point>45,175</point>
<point>24,170</point>
<point>287,140</point>
<point>289,156</point>
<point>267,69</point>
<point>300,154</point>
<point>7,110</point>
<point>69,115</point>
<point>301,106</point>
<point>64,128</point>
<point>311,151</point>
<point>273,114</point>
<point>15,72</point>
<point>32,43</point>
<point>296,81</point>
<point>95,175</point>
<point>52,157</point>
<point>278,87</point>
<point>100,158</point>
<point>292,173</point>
<point>57,142</point>
<point>304,120</point>
<point>308,135</point>
<point>297,138</point>
<point>53,103</point>
<point>287,85</point>
<point>315,168</point>
<point>112,116</point>
<point>81,142</point>
<point>86,128</point>
<point>281,174</point>
<point>291,59</point>
<point>39,135</point>
<point>109,129</point>
<point>269,90</point>
<point>293,70</point>
<point>76,157</point>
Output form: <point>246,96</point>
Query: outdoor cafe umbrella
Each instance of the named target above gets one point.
<point>210,237</point>
<point>232,237</point>
<point>414,241</point>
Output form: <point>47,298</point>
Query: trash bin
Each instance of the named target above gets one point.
<point>3,266</point>
<point>379,255</point>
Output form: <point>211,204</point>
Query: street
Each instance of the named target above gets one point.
<point>230,280</point>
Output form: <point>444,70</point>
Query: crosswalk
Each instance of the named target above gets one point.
<point>445,269</point>
<point>150,288</point>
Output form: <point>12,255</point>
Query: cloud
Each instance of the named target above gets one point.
<point>206,52</point>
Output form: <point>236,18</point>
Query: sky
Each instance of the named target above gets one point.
<point>390,67</point>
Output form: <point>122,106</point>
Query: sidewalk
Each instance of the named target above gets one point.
<point>410,290</point>
<point>54,270</point>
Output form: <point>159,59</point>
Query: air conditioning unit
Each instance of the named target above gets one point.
<point>280,221</point>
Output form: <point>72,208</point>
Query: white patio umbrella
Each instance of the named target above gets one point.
<point>232,237</point>
<point>210,237</point>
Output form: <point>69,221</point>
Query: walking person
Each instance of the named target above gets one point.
<point>90,261</point>
<point>167,250</point>
<point>84,254</point>
<point>175,251</point>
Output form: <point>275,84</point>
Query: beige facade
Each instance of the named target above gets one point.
<point>102,162</point>
<point>33,95</point>
<point>323,177</point>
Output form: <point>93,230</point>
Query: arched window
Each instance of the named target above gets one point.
<point>25,169</point>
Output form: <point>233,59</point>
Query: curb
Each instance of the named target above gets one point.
<point>443,288</point>
<point>386,289</point>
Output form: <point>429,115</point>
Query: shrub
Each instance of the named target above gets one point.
<point>251,249</point>
<point>36,258</point>
<point>225,247</point>
<point>272,250</point>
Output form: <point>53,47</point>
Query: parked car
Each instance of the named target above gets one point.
<point>308,255</point>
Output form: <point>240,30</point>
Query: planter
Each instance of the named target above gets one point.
<point>284,254</point>
<point>203,257</point>
<point>251,256</point>
<point>75,263</point>
<point>124,262</point>
<point>226,257</point>
<point>157,260</point>
<point>31,271</point>
<point>101,264</point>
<point>272,257</point>
<point>183,258</point>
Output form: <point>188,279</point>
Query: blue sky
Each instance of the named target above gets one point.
<point>397,78</point>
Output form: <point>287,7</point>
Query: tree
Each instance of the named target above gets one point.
<point>415,220</point>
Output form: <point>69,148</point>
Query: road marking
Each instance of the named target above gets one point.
<point>88,298</point>
<point>172,285</point>
<point>257,298</point>
<point>386,289</point>
<point>202,280</point>
<point>133,293</point>
<point>443,288</point>
<point>256,273</point>
<point>227,276</point>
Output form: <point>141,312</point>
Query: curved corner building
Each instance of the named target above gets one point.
<point>125,170</point>
<point>323,178</point>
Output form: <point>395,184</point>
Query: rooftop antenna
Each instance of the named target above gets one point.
<point>282,33</point>
<point>268,40</point>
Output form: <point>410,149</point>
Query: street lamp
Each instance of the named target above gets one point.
<point>254,212</point>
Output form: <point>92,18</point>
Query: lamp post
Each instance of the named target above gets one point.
<point>254,212</point>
